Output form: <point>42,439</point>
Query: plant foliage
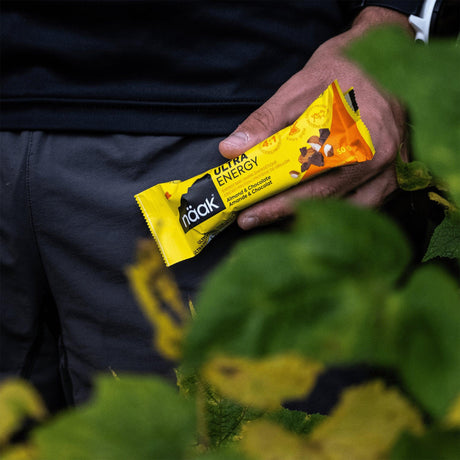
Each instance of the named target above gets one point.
<point>339,288</point>
<point>131,417</point>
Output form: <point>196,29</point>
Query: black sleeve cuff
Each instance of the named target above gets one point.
<point>403,6</point>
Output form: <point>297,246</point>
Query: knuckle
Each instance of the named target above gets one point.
<point>325,191</point>
<point>264,118</point>
<point>316,190</point>
<point>275,209</point>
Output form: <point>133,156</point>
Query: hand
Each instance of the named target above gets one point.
<point>364,183</point>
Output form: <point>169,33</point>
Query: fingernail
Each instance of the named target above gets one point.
<point>238,139</point>
<point>249,222</point>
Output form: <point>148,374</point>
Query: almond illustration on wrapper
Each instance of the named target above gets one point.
<point>315,143</point>
<point>328,150</point>
<point>294,174</point>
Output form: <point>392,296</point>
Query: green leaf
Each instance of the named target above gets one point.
<point>132,418</point>
<point>337,237</point>
<point>445,241</point>
<point>225,420</point>
<point>414,175</point>
<point>328,291</point>
<point>421,338</point>
<point>436,444</point>
<point>226,453</point>
<point>222,418</point>
<point>424,78</point>
<point>296,421</point>
<point>315,290</point>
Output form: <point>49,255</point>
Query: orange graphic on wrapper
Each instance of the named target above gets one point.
<point>316,115</point>
<point>271,144</point>
<point>346,143</point>
<point>294,130</point>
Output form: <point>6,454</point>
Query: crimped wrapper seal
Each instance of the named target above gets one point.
<point>183,216</point>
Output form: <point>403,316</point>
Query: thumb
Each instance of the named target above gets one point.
<point>259,125</point>
<point>276,113</point>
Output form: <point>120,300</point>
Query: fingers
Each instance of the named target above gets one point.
<point>383,118</point>
<point>374,192</point>
<point>367,183</point>
<point>340,182</point>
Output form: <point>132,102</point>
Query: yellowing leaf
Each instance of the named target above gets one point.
<point>192,308</point>
<point>442,201</point>
<point>414,175</point>
<point>262,383</point>
<point>18,400</point>
<point>159,298</point>
<point>453,417</point>
<point>21,452</point>
<point>366,423</point>
<point>263,440</point>
<point>364,426</point>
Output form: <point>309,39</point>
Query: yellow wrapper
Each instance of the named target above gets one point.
<point>184,216</point>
